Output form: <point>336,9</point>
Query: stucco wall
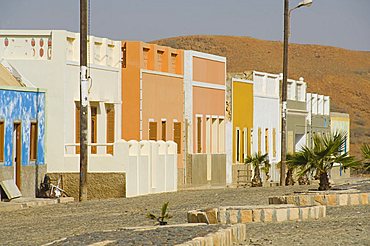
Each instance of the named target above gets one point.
<point>267,115</point>
<point>99,185</point>
<point>58,72</point>
<point>242,115</point>
<point>341,122</point>
<point>24,107</point>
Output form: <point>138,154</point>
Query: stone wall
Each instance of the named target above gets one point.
<point>99,185</point>
<point>328,198</point>
<point>248,214</point>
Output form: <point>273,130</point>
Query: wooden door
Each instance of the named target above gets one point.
<point>177,135</point>
<point>94,128</point>
<point>17,154</point>
<point>110,128</point>
<point>153,131</point>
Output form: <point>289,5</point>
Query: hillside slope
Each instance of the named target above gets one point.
<point>342,74</point>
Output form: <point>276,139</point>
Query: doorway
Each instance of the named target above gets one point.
<point>17,154</point>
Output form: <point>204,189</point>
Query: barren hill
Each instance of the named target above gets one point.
<point>342,74</point>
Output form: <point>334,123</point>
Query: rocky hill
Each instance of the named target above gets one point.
<point>342,74</point>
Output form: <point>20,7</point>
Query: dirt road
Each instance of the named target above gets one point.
<point>40,225</point>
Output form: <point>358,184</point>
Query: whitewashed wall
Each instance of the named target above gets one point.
<point>267,115</point>
<point>50,59</point>
<point>152,167</point>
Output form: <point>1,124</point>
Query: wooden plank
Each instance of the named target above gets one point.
<point>10,189</point>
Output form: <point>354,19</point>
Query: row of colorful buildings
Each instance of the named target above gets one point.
<point>140,91</point>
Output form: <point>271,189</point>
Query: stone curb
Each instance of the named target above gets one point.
<point>327,199</point>
<point>224,237</point>
<point>249,214</point>
<point>21,204</point>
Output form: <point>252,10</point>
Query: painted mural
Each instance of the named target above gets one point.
<point>24,107</point>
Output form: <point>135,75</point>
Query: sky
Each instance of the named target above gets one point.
<point>341,23</point>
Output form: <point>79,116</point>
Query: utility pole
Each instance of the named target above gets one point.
<point>284,94</point>
<point>83,100</point>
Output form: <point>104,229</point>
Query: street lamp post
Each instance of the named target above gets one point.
<point>284,91</point>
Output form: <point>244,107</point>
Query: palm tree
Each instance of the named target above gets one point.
<point>365,149</point>
<point>256,160</point>
<point>327,150</point>
<point>289,180</point>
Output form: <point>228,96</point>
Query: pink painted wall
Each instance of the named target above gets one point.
<point>209,71</point>
<point>207,101</point>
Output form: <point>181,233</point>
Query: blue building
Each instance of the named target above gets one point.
<point>22,133</point>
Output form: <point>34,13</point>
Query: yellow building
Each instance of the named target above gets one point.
<point>340,122</point>
<point>242,119</point>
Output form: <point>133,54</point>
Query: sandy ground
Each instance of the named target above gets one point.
<point>35,226</point>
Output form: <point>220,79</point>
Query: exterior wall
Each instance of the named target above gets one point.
<point>152,90</point>
<point>205,91</point>
<point>100,185</point>
<point>296,115</point>
<point>267,116</point>
<point>242,118</point>
<point>340,122</point>
<point>23,105</point>
<point>51,60</point>
<point>318,118</point>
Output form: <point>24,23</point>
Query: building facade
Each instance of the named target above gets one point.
<point>318,117</point>
<point>153,95</point>
<point>22,131</point>
<point>50,59</point>
<point>340,122</point>
<point>296,115</point>
<point>205,93</point>
<point>266,132</point>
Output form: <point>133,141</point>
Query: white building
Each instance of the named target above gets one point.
<point>50,59</point>
<point>267,119</point>
<point>318,117</point>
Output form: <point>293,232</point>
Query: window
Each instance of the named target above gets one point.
<point>97,52</point>
<point>299,92</point>
<point>153,131</point>
<point>237,144</point>
<point>290,94</point>
<point>177,135</point>
<point>259,140</point>
<point>215,135</point>
<point>94,128</point>
<point>221,135</point>
<point>208,135</point>
<point>160,59</point>
<point>199,134</point>
<point>2,128</point>
<point>164,130</point>
<point>245,143</point>
<point>33,141</point>
<point>77,126</point>
<point>173,63</point>
<point>266,140</point>
<point>290,142</point>
<point>251,147</point>
<point>110,126</point>
<point>146,58</point>
<point>274,142</point>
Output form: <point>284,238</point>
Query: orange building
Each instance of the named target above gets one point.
<point>153,95</point>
